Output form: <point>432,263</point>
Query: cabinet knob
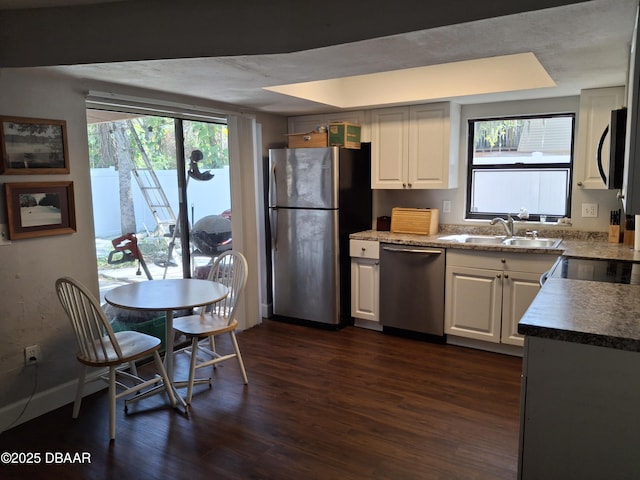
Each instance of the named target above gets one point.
<point>409,185</point>
<point>506,275</point>
<point>498,275</point>
<point>579,184</point>
<point>404,185</point>
<point>503,260</point>
<point>364,249</point>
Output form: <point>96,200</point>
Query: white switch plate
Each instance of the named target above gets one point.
<point>4,235</point>
<point>446,206</point>
<point>590,210</point>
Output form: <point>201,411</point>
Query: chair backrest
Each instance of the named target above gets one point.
<point>93,331</point>
<point>230,269</point>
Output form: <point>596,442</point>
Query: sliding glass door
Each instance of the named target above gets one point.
<point>161,195</point>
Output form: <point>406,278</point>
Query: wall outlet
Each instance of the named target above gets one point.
<point>590,210</point>
<point>446,206</point>
<point>4,235</point>
<point>32,355</point>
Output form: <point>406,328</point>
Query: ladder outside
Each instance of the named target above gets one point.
<point>152,190</point>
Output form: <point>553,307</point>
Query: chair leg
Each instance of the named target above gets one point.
<point>167,382</point>
<point>79,391</point>
<point>192,368</point>
<point>112,403</point>
<point>239,357</point>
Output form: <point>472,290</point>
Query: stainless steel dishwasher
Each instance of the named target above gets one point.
<point>412,288</point>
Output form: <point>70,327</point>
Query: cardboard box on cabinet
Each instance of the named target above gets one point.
<point>344,134</point>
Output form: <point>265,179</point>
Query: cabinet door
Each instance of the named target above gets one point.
<point>473,303</point>
<point>431,161</point>
<point>365,274</point>
<point>389,147</point>
<point>594,116</point>
<point>519,290</point>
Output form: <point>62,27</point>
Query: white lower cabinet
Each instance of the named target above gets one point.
<point>365,282</point>
<point>486,293</point>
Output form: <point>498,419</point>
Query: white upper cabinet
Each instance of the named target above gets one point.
<point>415,147</point>
<point>390,147</point>
<point>594,116</point>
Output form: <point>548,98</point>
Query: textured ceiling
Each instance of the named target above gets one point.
<point>584,45</point>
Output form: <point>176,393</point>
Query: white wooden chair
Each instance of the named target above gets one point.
<point>230,269</point>
<point>99,346</point>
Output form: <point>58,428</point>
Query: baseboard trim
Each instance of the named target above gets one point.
<point>46,401</point>
<point>505,349</point>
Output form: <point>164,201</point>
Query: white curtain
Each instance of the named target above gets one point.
<point>243,134</point>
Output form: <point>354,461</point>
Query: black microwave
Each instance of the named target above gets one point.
<point>616,130</point>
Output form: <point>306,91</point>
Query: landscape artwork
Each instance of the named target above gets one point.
<point>31,146</point>
<point>38,209</point>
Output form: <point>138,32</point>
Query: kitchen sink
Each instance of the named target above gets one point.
<point>533,242</point>
<point>483,239</point>
<point>486,239</point>
<point>503,240</point>
<point>463,238</point>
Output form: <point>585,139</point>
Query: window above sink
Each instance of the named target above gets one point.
<point>517,162</point>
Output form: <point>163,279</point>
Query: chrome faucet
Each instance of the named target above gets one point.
<point>507,224</point>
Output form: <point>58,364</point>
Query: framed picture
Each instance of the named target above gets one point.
<point>38,209</point>
<point>33,146</point>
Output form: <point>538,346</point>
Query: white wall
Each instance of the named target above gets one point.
<point>384,200</point>
<point>30,312</point>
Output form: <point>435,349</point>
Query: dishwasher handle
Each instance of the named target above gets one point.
<point>412,250</point>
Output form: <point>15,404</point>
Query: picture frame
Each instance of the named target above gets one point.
<point>38,209</point>
<point>31,146</point>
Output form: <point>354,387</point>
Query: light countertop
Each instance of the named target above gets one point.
<point>579,311</point>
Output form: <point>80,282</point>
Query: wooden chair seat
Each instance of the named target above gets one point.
<point>99,346</point>
<point>230,269</point>
<point>203,326</point>
<point>133,346</point>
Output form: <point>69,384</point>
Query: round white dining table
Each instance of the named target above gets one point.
<point>167,295</point>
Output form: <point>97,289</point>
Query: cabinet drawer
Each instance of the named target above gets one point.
<point>521,262</point>
<point>364,249</point>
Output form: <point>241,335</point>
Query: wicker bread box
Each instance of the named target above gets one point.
<point>423,221</point>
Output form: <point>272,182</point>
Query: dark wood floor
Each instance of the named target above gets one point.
<point>349,404</point>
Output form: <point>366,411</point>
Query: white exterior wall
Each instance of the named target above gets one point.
<point>208,198</point>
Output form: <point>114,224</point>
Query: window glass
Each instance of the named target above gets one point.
<point>520,163</point>
<point>135,190</point>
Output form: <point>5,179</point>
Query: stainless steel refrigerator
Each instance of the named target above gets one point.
<point>317,197</point>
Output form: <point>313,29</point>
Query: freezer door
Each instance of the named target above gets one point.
<point>304,177</point>
<point>306,282</point>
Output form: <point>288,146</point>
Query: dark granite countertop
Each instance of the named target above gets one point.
<point>581,311</point>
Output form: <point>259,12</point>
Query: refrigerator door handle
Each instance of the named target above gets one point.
<point>272,187</point>
<point>273,220</point>
<point>412,250</point>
